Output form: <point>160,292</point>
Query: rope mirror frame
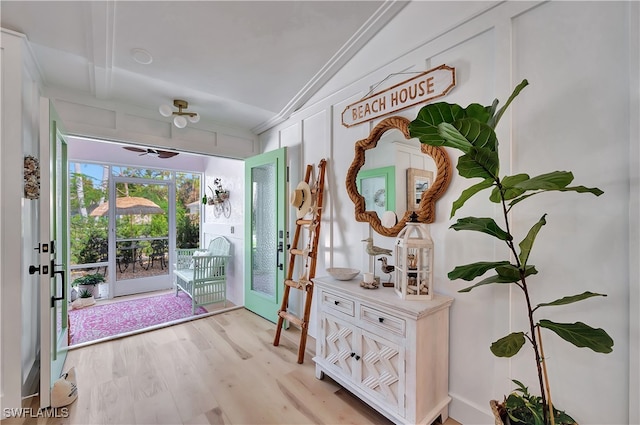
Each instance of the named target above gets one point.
<point>427,208</point>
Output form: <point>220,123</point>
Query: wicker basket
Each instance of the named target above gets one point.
<point>499,413</point>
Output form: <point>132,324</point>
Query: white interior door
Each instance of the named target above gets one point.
<point>53,248</point>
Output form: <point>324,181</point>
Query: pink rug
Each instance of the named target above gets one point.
<point>100,321</point>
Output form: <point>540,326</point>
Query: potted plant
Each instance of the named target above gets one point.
<point>85,299</point>
<point>471,130</point>
<point>88,283</point>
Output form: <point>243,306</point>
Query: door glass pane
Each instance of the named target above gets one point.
<point>142,230</point>
<point>188,205</point>
<point>88,232</point>
<point>263,229</point>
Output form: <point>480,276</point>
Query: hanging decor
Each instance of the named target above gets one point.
<point>425,87</point>
<point>414,262</point>
<point>31,177</point>
<point>219,199</point>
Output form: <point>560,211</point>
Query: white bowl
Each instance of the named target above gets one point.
<point>342,273</point>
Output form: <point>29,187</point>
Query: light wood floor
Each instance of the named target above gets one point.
<point>215,370</point>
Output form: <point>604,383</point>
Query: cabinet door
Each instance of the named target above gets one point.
<point>382,370</point>
<point>337,349</point>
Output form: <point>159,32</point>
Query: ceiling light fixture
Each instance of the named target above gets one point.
<point>179,119</point>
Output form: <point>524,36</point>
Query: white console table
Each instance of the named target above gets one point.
<point>392,354</point>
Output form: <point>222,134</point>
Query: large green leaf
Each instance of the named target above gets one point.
<point>469,192</point>
<point>479,162</point>
<point>579,189</point>
<point>484,225</point>
<point>493,122</point>
<point>479,112</point>
<point>572,299</point>
<point>488,281</point>
<point>509,345</point>
<point>549,181</point>
<point>477,133</point>
<point>510,271</point>
<point>582,189</point>
<point>453,138</point>
<point>527,242</point>
<point>509,191</point>
<point>425,126</point>
<point>473,270</point>
<point>581,335</point>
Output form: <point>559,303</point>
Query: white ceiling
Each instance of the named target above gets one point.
<point>243,63</point>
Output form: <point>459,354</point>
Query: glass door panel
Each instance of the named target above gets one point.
<point>141,228</point>
<point>265,261</point>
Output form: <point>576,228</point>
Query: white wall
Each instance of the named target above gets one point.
<point>85,116</point>
<point>231,171</point>
<point>19,302</point>
<point>577,115</point>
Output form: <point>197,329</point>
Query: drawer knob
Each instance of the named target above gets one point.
<point>336,302</point>
<point>353,354</point>
<point>357,358</point>
<point>381,319</point>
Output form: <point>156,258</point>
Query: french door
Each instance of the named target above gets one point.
<point>142,236</point>
<point>53,248</point>
<point>265,232</point>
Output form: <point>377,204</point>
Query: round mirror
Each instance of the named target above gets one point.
<point>392,172</point>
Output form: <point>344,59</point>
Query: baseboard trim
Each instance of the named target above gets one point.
<point>469,413</point>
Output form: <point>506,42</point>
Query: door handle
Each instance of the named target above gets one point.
<point>280,249</point>
<point>64,283</point>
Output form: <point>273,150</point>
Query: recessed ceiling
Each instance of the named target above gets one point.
<point>241,63</point>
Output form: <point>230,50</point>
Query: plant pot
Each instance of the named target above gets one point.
<point>92,289</point>
<point>499,413</point>
<point>83,302</point>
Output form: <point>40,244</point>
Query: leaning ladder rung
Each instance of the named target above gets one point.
<point>293,284</point>
<point>295,251</point>
<point>291,318</point>
<point>303,222</point>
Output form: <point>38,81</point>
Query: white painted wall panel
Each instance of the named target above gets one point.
<point>87,115</point>
<point>575,116</point>
<point>231,171</point>
<point>18,311</point>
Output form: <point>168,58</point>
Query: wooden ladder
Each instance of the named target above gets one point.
<point>305,283</point>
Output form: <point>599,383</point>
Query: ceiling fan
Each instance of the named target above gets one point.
<point>159,153</point>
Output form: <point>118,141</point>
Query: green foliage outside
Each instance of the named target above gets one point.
<point>89,235</point>
<point>472,131</point>
<point>90,279</point>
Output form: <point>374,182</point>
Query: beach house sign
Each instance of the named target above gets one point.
<point>429,85</point>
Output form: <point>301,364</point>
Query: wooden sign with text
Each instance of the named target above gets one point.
<point>429,85</point>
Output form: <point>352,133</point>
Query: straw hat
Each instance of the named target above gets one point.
<point>301,199</point>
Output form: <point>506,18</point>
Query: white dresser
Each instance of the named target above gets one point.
<point>392,354</point>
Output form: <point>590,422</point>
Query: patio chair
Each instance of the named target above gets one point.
<point>159,249</point>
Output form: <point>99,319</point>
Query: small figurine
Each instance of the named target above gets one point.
<point>412,261</point>
<point>386,268</point>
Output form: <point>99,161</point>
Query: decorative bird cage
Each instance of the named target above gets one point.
<point>414,262</point>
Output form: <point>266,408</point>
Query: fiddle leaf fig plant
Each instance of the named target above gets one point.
<point>472,131</point>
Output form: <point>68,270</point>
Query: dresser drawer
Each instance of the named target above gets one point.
<point>333,302</point>
<point>382,320</point>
